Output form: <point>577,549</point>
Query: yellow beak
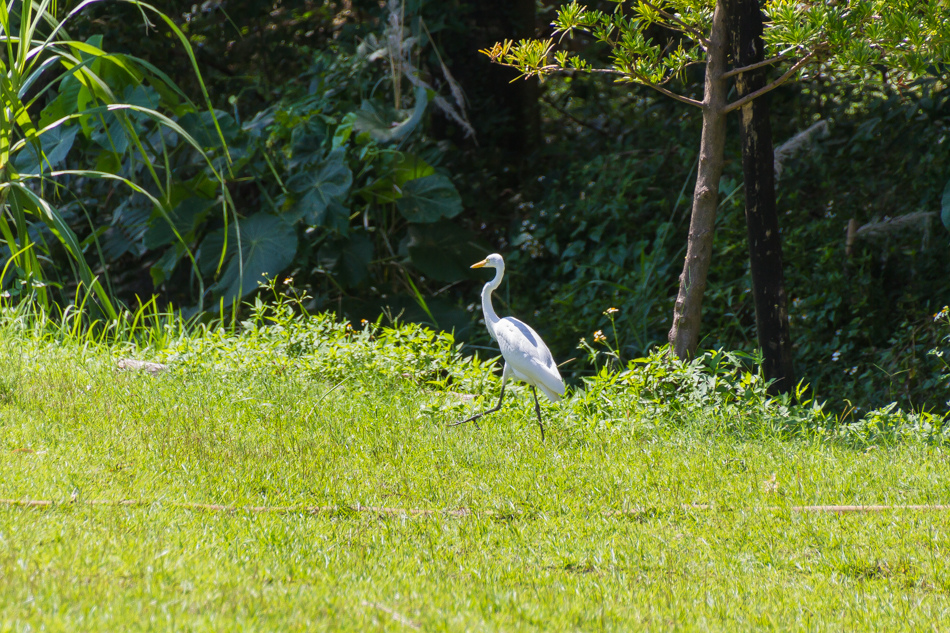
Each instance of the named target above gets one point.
<point>480,264</point>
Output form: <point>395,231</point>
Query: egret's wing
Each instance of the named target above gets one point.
<point>528,356</point>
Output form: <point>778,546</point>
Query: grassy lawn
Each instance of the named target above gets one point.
<point>591,530</point>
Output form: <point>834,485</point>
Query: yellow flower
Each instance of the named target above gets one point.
<point>610,311</point>
<point>599,337</point>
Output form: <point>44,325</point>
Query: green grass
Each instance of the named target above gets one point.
<point>587,531</point>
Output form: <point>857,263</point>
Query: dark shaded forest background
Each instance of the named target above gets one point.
<point>582,184</point>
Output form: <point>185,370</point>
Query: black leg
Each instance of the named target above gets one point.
<point>478,415</point>
<point>504,379</point>
<point>537,409</point>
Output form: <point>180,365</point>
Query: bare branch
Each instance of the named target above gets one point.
<point>573,118</point>
<point>673,95</point>
<point>672,18</point>
<point>772,86</point>
<point>745,69</point>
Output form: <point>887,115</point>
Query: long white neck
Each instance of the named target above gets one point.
<point>490,317</point>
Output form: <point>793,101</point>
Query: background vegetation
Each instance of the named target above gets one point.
<point>356,168</point>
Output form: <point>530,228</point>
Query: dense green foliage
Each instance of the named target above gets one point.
<point>654,44</point>
<point>328,182</point>
<point>81,125</point>
<point>592,217</point>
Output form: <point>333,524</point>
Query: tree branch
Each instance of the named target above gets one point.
<point>772,86</point>
<point>573,118</point>
<point>745,69</point>
<point>673,95</point>
<point>605,71</point>
<point>686,27</point>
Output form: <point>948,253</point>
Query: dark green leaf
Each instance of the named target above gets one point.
<point>268,245</point>
<point>200,126</point>
<point>110,135</point>
<point>429,199</point>
<point>349,259</point>
<point>163,268</point>
<point>306,144</point>
<point>186,216</point>
<point>319,189</point>
<point>388,188</point>
<point>56,144</point>
<point>385,128</point>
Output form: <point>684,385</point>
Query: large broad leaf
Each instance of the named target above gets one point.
<point>443,251</point>
<point>108,130</point>
<point>945,206</point>
<point>429,199</point>
<point>348,260</point>
<point>306,143</point>
<point>110,135</point>
<point>268,246</point>
<point>386,127</point>
<point>55,144</point>
<point>317,190</point>
<point>162,269</point>
<point>200,126</point>
<point>186,216</point>
<point>396,173</point>
<point>128,227</point>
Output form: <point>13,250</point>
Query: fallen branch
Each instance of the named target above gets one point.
<point>130,364</point>
<point>917,221</point>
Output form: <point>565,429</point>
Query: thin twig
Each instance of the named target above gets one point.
<point>556,68</point>
<point>604,71</point>
<point>573,118</point>
<point>678,97</point>
<point>745,69</point>
<point>772,86</point>
<point>325,394</point>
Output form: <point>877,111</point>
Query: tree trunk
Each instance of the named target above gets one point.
<point>765,244</point>
<point>687,312</point>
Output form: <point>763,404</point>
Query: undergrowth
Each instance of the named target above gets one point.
<point>722,391</point>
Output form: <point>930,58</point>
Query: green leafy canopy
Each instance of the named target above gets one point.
<point>909,36</point>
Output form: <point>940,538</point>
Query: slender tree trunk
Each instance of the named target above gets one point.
<point>765,244</point>
<point>687,312</point>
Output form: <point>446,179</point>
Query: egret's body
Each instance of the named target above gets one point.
<point>526,356</point>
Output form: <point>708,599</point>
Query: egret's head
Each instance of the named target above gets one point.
<point>492,261</point>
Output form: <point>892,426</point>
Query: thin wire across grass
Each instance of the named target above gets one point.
<point>450,512</point>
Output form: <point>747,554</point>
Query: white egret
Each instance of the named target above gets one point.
<point>526,356</point>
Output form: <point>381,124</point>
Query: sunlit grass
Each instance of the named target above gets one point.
<point>590,530</point>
